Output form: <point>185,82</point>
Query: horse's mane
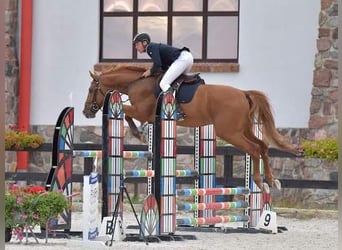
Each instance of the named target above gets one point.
<point>123,66</point>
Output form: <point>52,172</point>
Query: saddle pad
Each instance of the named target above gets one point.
<point>185,92</point>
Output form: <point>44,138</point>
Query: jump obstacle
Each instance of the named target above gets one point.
<point>205,162</point>
<point>163,177</point>
<point>60,175</point>
<point>165,173</point>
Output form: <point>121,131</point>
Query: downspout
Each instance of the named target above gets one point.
<point>25,78</point>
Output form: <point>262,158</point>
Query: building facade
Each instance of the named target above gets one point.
<point>289,51</point>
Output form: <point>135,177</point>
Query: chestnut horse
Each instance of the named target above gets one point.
<point>232,112</point>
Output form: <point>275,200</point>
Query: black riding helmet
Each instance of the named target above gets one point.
<point>141,37</point>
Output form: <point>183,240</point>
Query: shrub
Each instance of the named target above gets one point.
<point>21,140</point>
<point>326,148</point>
<point>31,206</point>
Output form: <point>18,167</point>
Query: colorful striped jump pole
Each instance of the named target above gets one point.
<point>137,154</point>
<point>126,154</point>
<point>216,205</point>
<point>150,173</point>
<point>212,191</point>
<point>212,220</point>
<point>88,153</point>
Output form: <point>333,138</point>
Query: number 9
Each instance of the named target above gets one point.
<point>267,220</point>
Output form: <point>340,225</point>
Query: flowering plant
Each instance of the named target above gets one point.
<point>20,139</point>
<point>323,148</point>
<point>31,206</point>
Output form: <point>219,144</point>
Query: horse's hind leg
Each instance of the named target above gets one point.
<point>264,156</point>
<point>243,143</point>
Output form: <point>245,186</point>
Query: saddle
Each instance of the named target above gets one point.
<point>185,86</point>
<point>188,78</point>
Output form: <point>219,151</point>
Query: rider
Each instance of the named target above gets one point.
<point>174,60</point>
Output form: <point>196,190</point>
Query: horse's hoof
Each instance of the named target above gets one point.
<point>277,184</point>
<point>266,188</point>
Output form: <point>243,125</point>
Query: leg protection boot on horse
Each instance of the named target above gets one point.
<point>180,115</point>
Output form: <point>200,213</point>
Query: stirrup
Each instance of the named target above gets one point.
<point>179,114</point>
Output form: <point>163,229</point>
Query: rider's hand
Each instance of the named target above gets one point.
<point>147,73</point>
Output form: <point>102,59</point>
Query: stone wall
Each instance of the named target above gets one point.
<point>324,101</point>
<point>11,62</point>
<point>11,72</point>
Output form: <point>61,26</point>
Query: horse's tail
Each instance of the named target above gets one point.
<point>261,110</point>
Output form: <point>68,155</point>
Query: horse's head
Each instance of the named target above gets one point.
<point>95,97</point>
<point>124,78</point>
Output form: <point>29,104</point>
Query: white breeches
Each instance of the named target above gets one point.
<point>183,64</point>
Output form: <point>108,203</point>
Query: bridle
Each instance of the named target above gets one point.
<point>94,107</point>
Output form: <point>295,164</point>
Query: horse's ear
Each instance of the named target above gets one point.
<point>92,75</point>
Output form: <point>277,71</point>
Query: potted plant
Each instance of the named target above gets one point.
<point>30,206</point>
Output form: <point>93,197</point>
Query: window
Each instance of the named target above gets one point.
<point>208,27</point>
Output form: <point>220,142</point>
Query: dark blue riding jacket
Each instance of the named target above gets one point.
<point>162,55</point>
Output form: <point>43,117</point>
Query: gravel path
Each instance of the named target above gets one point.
<point>318,233</point>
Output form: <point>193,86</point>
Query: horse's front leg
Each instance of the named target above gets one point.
<point>134,129</point>
<point>129,114</point>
